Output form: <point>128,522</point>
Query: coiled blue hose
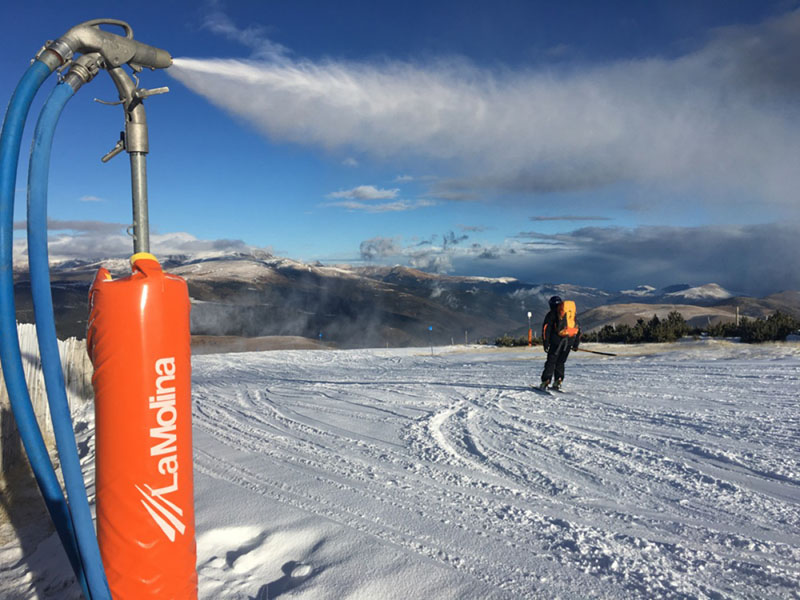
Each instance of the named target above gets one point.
<point>10,356</point>
<point>48,342</point>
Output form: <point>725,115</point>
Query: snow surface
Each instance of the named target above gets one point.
<point>672,471</point>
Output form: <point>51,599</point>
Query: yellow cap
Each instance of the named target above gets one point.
<point>142,256</point>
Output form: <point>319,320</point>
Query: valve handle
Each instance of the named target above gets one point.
<point>116,149</point>
<point>141,93</point>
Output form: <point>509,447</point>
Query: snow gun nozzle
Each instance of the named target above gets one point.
<point>116,50</point>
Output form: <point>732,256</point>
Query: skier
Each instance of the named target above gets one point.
<point>560,334</point>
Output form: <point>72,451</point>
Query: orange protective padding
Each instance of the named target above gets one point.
<point>140,345</point>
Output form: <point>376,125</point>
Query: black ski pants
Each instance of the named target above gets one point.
<point>556,358</point>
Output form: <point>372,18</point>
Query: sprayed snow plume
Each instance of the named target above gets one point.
<point>708,117</point>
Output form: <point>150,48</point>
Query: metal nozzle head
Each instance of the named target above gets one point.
<point>115,49</point>
<point>150,56</point>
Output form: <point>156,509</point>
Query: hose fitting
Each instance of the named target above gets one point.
<point>83,70</point>
<point>54,54</point>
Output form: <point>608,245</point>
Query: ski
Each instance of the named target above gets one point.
<point>539,390</point>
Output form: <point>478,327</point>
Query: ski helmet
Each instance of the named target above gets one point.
<point>555,301</point>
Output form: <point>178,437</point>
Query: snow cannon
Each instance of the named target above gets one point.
<point>140,347</point>
<point>139,342</point>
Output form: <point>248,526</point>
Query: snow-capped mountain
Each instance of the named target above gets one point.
<point>642,291</point>
<point>257,294</point>
<point>711,292</point>
<point>707,294</point>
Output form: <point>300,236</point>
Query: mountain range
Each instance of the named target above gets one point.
<point>256,294</point>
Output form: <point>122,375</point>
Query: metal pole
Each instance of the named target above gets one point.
<point>141,225</point>
<point>530,331</point>
<point>135,142</point>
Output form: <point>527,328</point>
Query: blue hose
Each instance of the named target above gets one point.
<point>48,342</point>
<point>10,356</point>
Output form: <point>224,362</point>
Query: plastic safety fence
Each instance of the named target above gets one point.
<point>140,345</point>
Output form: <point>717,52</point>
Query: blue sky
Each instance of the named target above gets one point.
<point>608,144</point>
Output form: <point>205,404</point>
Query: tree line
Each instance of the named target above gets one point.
<point>774,327</point>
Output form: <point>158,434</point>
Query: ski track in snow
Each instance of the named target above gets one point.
<point>395,474</point>
<point>671,476</point>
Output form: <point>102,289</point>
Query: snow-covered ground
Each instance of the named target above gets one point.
<point>669,472</point>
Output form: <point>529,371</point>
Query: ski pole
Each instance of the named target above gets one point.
<point>595,352</point>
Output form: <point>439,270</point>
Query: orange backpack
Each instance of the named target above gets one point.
<point>567,325</point>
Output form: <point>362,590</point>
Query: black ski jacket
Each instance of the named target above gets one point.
<point>550,328</point>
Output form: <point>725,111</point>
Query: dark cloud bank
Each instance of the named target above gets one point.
<point>753,259</point>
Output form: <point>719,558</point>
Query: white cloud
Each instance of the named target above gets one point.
<point>399,206</point>
<point>98,240</point>
<point>434,263</point>
<point>366,192</point>
<point>350,162</point>
<point>91,199</point>
<point>391,250</point>
<point>253,36</point>
<point>379,247</point>
<point>723,118</point>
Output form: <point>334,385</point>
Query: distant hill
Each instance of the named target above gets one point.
<point>699,314</point>
<point>259,295</point>
<point>628,314</point>
<point>787,302</point>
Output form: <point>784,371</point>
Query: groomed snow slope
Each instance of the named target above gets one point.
<point>671,472</point>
